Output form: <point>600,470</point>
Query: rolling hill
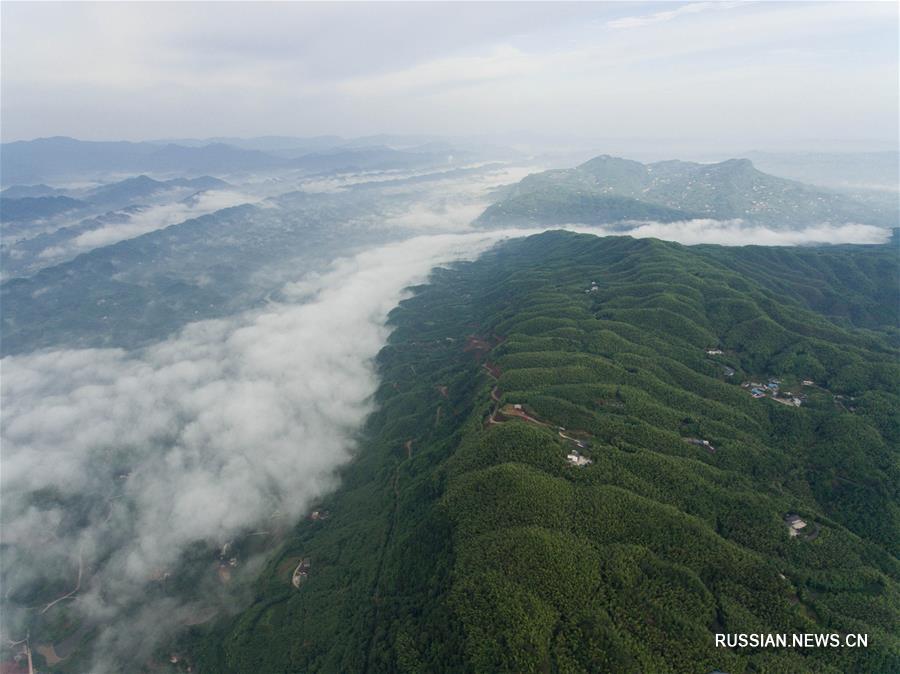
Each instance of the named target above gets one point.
<point>565,473</point>
<point>728,190</point>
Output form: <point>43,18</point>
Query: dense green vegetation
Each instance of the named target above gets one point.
<point>562,204</point>
<point>859,289</point>
<point>609,190</point>
<point>460,544</point>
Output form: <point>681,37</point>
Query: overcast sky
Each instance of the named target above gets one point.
<point>745,73</point>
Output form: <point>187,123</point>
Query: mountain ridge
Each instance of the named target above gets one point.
<point>465,537</point>
<point>729,190</point>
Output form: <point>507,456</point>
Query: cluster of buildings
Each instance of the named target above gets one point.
<point>575,457</point>
<point>773,389</point>
<point>758,390</point>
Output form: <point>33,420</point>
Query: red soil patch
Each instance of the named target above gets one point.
<point>224,574</point>
<point>511,411</point>
<point>479,346</point>
<point>493,370</point>
<point>49,654</point>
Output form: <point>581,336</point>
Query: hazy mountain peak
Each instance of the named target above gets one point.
<point>727,190</point>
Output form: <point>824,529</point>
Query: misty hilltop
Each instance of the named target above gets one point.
<point>610,189</point>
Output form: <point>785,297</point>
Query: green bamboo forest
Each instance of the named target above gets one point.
<point>569,471</point>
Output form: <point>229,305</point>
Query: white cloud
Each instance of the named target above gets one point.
<point>303,68</point>
<point>441,214</point>
<point>159,217</point>
<point>147,220</point>
<point>218,429</point>
<point>452,204</point>
<point>739,233</point>
<point>222,426</point>
<point>500,62</point>
<point>667,15</point>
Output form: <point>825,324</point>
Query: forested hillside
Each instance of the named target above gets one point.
<point>565,473</point>
<point>608,190</point>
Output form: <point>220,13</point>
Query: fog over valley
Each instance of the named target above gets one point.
<point>232,426</point>
<point>120,462</point>
<point>492,337</point>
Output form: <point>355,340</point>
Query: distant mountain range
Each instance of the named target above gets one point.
<point>294,146</point>
<point>61,158</point>
<point>26,203</point>
<point>49,159</point>
<point>610,189</point>
<point>32,208</point>
<point>23,191</point>
<point>143,186</point>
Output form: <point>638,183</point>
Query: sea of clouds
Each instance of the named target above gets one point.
<point>199,438</point>
<point>205,436</point>
<point>146,220</point>
<point>741,233</point>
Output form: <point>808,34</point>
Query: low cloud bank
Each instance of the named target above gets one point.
<point>146,220</point>
<point>740,233</point>
<point>437,214</point>
<point>158,217</point>
<point>118,463</point>
<point>452,204</point>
